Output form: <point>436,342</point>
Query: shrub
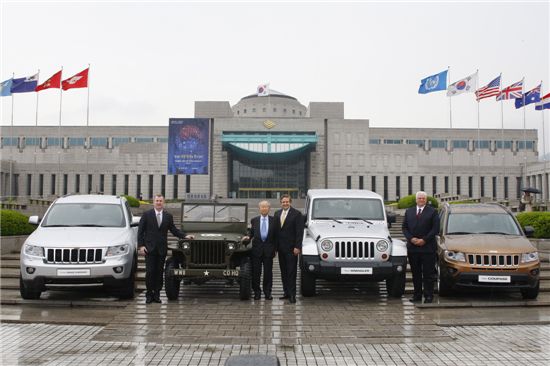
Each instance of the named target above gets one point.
<point>410,201</point>
<point>14,223</point>
<point>540,221</point>
<point>132,201</point>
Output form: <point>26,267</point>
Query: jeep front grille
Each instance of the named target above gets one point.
<point>494,260</point>
<point>208,252</point>
<point>74,255</point>
<point>354,250</point>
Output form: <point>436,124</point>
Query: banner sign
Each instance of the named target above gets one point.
<point>188,145</point>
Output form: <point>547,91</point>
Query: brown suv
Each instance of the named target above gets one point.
<point>483,245</point>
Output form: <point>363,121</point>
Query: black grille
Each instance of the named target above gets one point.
<point>208,252</point>
<point>354,250</point>
<point>74,255</point>
<point>494,260</point>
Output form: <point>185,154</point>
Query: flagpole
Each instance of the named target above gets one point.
<point>546,195</point>
<point>502,139</point>
<point>60,143</point>
<point>11,142</point>
<point>478,146</point>
<point>451,127</point>
<point>88,108</point>
<point>36,129</point>
<point>524,135</point>
<point>86,147</point>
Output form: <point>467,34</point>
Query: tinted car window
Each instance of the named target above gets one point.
<point>482,223</point>
<point>347,208</point>
<point>85,214</point>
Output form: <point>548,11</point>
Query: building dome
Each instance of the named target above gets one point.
<point>273,104</point>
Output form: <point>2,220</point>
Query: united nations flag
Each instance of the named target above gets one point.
<point>433,83</point>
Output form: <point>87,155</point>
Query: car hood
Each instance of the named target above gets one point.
<point>216,236</point>
<point>488,243</point>
<point>66,237</point>
<point>348,229</point>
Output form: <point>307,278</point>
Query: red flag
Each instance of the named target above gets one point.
<point>52,82</point>
<point>79,80</point>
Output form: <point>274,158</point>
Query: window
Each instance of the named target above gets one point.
<point>10,141</point>
<point>76,141</point>
<point>102,183</point>
<point>415,142</point>
<point>438,144</point>
<point>506,188</point>
<point>162,139</point>
<point>52,141</point>
<point>374,141</point>
<point>244,111</point>
<point>373,183</point>
<point>522,144</point>
<point>188,183</point>
<point>294,111</point>
<point>398,187</point>
<point>29,184</point>
<point>144,140</point>
<point>32,141</point>
<point>385,188</point>
<point>410,185</point>
<point>470,186</point>
<point>482,144</point>
<point>284,110</point>
<point>519,184</point>
<point>98,141</point>
<point>176,186</point>
<point>254,110</point>
<point>264,109</point>
<point>151,177</point>
<point>507,144</point>
<point>126,183</point>
<point>52,188</point>
<point>90,177</point>
<point>120,141</point>
<point>434,185</point>
<point>77,183</point>
<point>392,142</point>
<point>65,183</point>
<point>482,186</point>
<point>138,186</point>
<point>494,188</point>
<point>422,184</point>
<point>41,185</point>
<point>459,144</point>
<point>113,185</point>
<point>458,185</point>
<point>361,182</point>
<point>446,180</point>
<point>348,182</point>
<point>163,185</point>
<point>274,109</point>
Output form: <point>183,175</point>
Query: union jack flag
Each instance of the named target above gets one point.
<point>513,91</point>
<point>490,90</point>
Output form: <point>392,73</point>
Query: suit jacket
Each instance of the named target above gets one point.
<point>153,237</point>
<point>263,248</point>
<point>426,227</point>
<point>290,235</point>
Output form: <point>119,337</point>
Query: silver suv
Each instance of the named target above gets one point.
<point>83,240</point>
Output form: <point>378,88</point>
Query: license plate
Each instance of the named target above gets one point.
<point>495,279</point>
<point>179,272</point>
<point>73,272</point>
<point>356,271</point>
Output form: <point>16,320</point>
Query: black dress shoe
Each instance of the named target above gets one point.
<point>416,298</point>
<point>428,300</point>
<point>284,297</point>
<point>256,296</point>
<point>268,297</point>
<point>157,300</point>
<point>148,300</point>
<point>292,299</point>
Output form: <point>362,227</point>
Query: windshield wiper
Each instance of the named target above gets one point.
<point>89,225</point>
<point>57,225</point>
<point>357,218</point>
<point>328,218</point>
<point>459,233</point>
<point>494,232</point>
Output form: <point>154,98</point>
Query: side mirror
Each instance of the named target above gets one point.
<point>34,220</point>
<point>529,231</point>
<point>135,221</point>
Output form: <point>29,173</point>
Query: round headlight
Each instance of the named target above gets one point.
<point>326,245</point>
<point>231,246</point>
<point>382,246</point>
<point>185,245</point>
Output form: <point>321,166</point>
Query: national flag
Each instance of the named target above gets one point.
<point>24,85</point>
<point>79,80</point>
<point>466,85</point>
<point>490,90</point>
<point>263,90</point>
<point>5,88</point>
<point>513,91</point>
<point>433,83</point>
<point>52,82</point>
<point>532,96</point>
<point>544,103</point>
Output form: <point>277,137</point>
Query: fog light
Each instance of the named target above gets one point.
<point>452,270</point>
<point>30,270</point>
<point>534,272</point>
<point>384,256</point>
<point>311,267</point>
<point>118,269</point>
<point>399,268</point>
<point>324,255</point>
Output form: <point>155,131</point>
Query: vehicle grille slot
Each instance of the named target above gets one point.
<point>493,260</point>
<point>208,252</point>
<point>354,250</point>
<point>74,255</point>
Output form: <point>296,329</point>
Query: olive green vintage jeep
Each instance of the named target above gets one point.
<point>217,251</point>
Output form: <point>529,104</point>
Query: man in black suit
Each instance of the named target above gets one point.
<point>289,245</point>
<point>153,243</point>
<point>420,227</point>
<point>262,231</point>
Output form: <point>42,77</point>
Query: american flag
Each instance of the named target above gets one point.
<point>513,91</point>
<point>490,90</point>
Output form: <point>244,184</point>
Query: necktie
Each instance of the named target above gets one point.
<point>159,220</point>
<point>263,229</point>
<point>283,217</point>
<point>419,212</point>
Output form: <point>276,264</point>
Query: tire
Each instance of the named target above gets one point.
<point>530,293</point>
<point>27,292</point>
<point>444,287</point>
<point>245,279</point>
<point>171,284</point>
<point>396,285</point>
<point>307,283</point>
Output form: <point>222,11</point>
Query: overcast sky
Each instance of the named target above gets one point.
<point>151,61</point>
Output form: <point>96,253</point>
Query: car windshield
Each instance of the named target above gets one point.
<point>347,208</point>
<point>214,213</point>
<point>482,223</point>
<point>84,214</point>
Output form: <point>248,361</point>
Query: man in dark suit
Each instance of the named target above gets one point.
<point>420,227</point>
<point>289,245</point>
<point>262,231</point>
<point>153,243</point>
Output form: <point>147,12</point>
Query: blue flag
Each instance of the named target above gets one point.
<point>532,96</point>
<point>433,83</point>
<point>5,88</point>
<point>25,85</point>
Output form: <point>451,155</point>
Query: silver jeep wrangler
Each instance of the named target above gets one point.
<point>347,238</point>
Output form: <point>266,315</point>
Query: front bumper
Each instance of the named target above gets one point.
<point>375,271</point>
